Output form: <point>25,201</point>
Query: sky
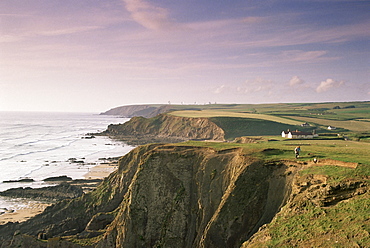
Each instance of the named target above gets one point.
<point>93,55</point>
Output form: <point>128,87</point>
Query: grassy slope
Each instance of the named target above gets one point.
<point>224,113</point>
<point>343,225</point>
<point>236,127</point>
<point>353,125</point>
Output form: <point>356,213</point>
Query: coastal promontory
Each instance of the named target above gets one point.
<point>192,196</point>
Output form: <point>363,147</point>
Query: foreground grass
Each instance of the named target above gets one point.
<point>338,173</point>
<point>346,224</point>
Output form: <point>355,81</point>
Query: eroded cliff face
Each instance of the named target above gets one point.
<point>319,213</point>
<point>181,197</point>
<point>167,127</point>
<point>168,196</point>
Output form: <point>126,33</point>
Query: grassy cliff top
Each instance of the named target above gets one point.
<point>277,148</point>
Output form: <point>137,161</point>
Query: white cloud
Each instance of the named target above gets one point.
<point>296,81</point>
<point>257,85</point>
<point>9,38</point>
<point>303,56</point>
<point>219,89</point>
<point>328,84</point>
<point>149,15</point>
<point>64,31</point>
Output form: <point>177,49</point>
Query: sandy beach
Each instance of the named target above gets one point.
<point>24,213</point>
<point>101,171</point>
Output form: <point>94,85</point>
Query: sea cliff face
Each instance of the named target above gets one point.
<point>165,128</point>
<point>186,197</point>
<point>167,196</point>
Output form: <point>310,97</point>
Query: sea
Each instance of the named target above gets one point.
<point>38,145</point>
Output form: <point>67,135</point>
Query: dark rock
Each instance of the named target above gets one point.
<point>59,192</point>
<point>24,180</point>
<point>59,178</point>
<point>88,137</point>
<point>99,221</point>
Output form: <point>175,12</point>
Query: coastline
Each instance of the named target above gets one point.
<point>52,145</point>
<point>28,208</point>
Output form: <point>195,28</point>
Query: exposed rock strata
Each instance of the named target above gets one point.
<point>169,196</point>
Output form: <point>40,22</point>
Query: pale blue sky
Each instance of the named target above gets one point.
<point>92,55</point>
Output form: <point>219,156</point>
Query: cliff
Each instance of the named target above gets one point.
<point>166,196</point>
<point>186,196</point>
<point>165,128</point>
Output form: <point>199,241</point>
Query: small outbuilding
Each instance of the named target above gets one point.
<point>331,128</point>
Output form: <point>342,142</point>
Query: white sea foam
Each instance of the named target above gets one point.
<point>39,145</point>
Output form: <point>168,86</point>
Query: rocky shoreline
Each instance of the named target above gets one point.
<point>63,190</point>
<point>28,202</point>
<point>33,201</point>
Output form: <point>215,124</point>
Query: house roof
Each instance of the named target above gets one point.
<point>300,133</point>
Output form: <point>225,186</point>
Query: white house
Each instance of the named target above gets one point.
<point>331,128</point>
<point>297,135</point>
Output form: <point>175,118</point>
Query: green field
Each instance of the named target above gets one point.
<point>220,113</point>
<point>236,126</point>
<point>347,117</point>
<point>353,125</point>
